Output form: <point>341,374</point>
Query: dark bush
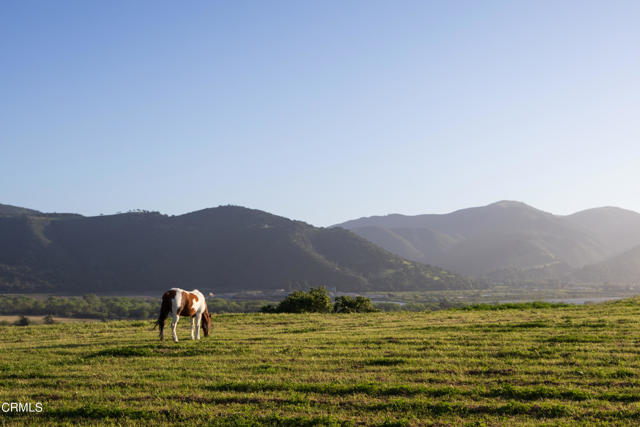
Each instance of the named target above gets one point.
<point>315,301</point>
<point>347,304</point>
<point>269,308</point>
<point>23,321</point>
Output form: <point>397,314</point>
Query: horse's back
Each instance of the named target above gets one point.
<point>185,302</point>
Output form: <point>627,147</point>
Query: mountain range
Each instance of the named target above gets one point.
<point>514,243</point>
<point>232,248</point>
<point>228,248</point>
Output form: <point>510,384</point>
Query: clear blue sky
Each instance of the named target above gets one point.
<point>319,110</point>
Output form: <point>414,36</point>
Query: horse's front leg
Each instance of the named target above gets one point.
<point>193,322</point>
<point>198,327</point>
<point>174,324</point>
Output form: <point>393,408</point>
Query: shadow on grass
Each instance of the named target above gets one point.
<point>152,350</point>
<point>372,389</point>
<point>95,412</point>
<point>384,362</point>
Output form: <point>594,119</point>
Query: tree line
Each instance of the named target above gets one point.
<point>92,306</point>
<point>108,308</point>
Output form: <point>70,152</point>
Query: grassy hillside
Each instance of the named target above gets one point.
<point>495,367</point>
<point>223,249</point>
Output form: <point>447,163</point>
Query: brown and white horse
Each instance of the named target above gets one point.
<point>179,302</point>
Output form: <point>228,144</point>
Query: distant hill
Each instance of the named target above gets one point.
<point>618,230</point>
<point>623,269</point>
<point>228,248</point>
<point>506,241</point>
<point>8,210</point>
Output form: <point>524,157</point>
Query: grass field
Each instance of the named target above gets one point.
<point>556,366</point>
<point>40,319</point>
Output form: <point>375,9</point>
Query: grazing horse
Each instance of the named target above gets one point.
<point>179,302</point>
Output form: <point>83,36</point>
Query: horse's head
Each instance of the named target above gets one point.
<point>206,322</point>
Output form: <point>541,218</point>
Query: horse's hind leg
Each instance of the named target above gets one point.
<point>174,324</point>
<point>165,309</point>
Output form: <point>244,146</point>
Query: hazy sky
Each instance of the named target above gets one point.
<point>321,111</point>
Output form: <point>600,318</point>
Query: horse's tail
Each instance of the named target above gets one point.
<point>165,309</point>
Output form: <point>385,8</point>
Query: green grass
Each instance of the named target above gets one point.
<point>525,365</point>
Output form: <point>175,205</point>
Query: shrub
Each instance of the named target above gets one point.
<point>23,321</point>
<point>269,308</point>
<point>347,304</point>
<point>315,301</point>
<point>48,320</point>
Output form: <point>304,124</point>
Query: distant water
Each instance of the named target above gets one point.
<point>583,300</point>
<point>376,301</point>
<point>577,301</point>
